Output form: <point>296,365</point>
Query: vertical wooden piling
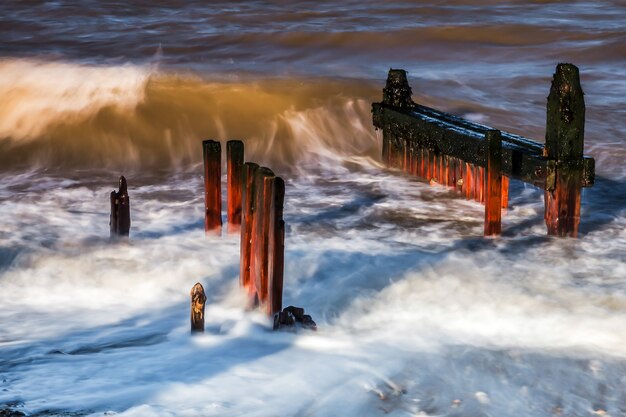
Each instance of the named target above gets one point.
<point>234,168</point>
<point>493,183</point>
<point>247,221</point>
<point>276,248</point>
<point>119,222</point>
<point>212,153</point>
<point>260,235</point>
<point>565,129</point>
<point>198,298</point>
<point>505,191</point>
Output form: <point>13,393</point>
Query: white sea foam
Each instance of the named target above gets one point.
<point>414,317</point>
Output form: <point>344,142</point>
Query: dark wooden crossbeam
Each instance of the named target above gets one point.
<point>522,158</point>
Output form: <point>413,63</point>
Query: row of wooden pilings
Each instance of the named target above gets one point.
<point>255,199</point>
<point>474,182</point>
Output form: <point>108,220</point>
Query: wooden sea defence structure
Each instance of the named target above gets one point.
<point>255,200</point>
<point>478,161</point>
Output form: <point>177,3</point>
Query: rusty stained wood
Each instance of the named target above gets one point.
<point>212,157</point>
<point>234,170</point>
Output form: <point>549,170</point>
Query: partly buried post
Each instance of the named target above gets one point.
<point>198,298</point>
<point>119,221</point>
<point>565,130</point>
<point>247,220</point>
<point>234,170</point>
<point>262,238</point>
<point>493,184</point>
<point>212,156</point>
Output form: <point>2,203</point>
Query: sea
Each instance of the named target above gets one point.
<point>417,313</point>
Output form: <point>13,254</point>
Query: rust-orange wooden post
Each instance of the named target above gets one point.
<point>276,248</point>
<point>198,299</point>
<point>212,152</point>
<point>505,191</point>
<point>247,221</point>
<point>493,183</point>
<point>234,168</point>
<point>565,130</point>
<point>263,182</point>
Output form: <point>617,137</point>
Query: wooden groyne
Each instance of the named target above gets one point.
<point>478,160</point>
<point>254,209</point>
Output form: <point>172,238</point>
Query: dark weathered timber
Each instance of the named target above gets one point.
<point>212,156</point>
<point>276,248</point>
<point>119,222</point>
<point>565,130</point>
<point>449,149</point>
<point>247,220</point>
<point>198,298</point>
<point>260,232</point>
<point>234,167</point>
<point>442,133</point>
<point>493,184</point>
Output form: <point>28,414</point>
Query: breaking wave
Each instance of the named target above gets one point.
<point>70,115</point>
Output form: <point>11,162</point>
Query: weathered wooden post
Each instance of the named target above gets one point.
<point>197,308</point>
<point>247,221</point>
<point>493,183</point>
<point>212,152</point>
<point>234,168</point>
<point>505,191</point>
<point>276,248</point>
<point>263,184</point>
<point>119,222</point>
<point>565,130</point>
<point>397,93</point>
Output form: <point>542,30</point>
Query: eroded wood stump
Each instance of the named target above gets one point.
<point>198,298</point>
<point>119,222</point>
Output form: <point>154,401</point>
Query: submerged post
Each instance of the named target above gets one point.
<point>276,248</point>
<point>263,184</point>
<point>493,184</point>
<point>565,129</point>
<point>212,153</point>
<point>198,299</point>
<point>119,222</point>
<point>234,167</point>
<point>247,221</point>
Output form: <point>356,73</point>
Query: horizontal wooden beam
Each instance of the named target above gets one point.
<point>444,133</point>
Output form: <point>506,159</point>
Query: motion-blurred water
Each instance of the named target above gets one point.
<point>417,313</point>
